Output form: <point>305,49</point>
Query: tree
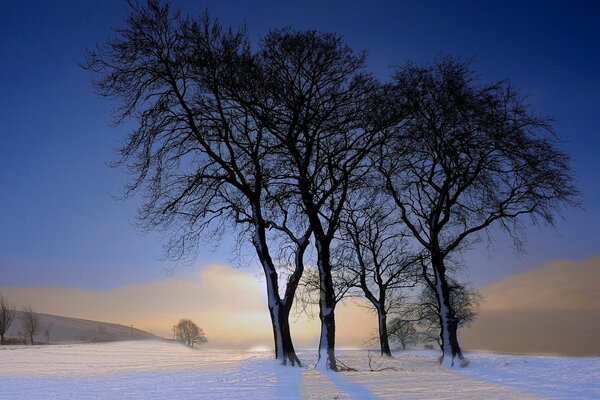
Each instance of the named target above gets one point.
<point>465,157</point>
<point>403,331</point>
<point>464,300</point>
<point>197,154</point>
<point>308,296</point>
<point>7,314</point>
<point>47,332</point>
<point>376,248</point>
<point>189,333</point>
<point>224,132</point>
<point>31,321</point>
<point>311,94</point>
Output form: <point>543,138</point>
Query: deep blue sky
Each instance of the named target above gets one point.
<point>59,223</point>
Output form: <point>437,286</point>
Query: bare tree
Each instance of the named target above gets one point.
<point>47,332</point>
<point>189,333</point>
<point>465,157</point>
<point>308,296</point>
<point>31,321</point>
<point>464,300</point>
<point>7,314</point>
<point>311,94</point>
<point>377,252</point>
<point>218,127</point>
<point>404,332</point>
<point>198,153</point>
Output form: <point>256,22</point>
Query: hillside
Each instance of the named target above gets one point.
<point>65,330</point>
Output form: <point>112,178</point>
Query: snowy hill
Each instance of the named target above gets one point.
<point>75,330</point>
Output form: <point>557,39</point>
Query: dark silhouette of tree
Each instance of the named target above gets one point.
<point>464,300</point>
<point>465,157</point>
<point>274,140</point>
<point>197,154</point>
<point>375,245</point>
<point>311,94</point>
<point>227,133</point>
<point>189,333</point>
<point>308,296</point>
<point>7,314</point>
<point>31,321</point>
<point>47,332</point>
<point>403,332</point>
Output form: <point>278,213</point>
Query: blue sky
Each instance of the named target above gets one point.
<point>59,222</point>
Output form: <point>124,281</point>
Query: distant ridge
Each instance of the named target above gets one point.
<point>65,330</point>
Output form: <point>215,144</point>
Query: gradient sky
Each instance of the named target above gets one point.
<point>59,222</point>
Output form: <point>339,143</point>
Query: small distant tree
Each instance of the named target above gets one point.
<point>31,321</point>
<point>47,333</point>
<point>403,332</point>
<point>189,333</point>
<point>7,314</point>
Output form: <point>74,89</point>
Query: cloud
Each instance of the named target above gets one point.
<point>229,304</point>
<point>560,285</point>
<point>554,309</point>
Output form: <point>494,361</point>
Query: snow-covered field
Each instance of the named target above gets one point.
<point>162,370</point>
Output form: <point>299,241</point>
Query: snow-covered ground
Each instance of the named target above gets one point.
<point>551,377</point>
<point>162,370</point>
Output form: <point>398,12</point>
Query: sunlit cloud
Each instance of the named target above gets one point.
<point>228,303</point>
<point>553,309</point>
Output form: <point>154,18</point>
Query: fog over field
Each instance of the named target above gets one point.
<point>551,310</point>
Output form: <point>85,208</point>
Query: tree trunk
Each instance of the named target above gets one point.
<point>288,299</point>
<point>2,339</point>
<point>284,348</point>
<point>448,322</point>
<point>379,305</point>
<point>31,337</point>
<point>384,342</point>
<point>326,358</point>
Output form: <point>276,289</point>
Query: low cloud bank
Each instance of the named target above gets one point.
<point>228,303</point>
<point>554,309</point>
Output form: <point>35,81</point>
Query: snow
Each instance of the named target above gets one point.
<point>552,377</point>
<point>159,370</point>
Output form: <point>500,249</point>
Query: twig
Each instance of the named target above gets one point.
<point>344,367</point>
<point>378,368</point>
